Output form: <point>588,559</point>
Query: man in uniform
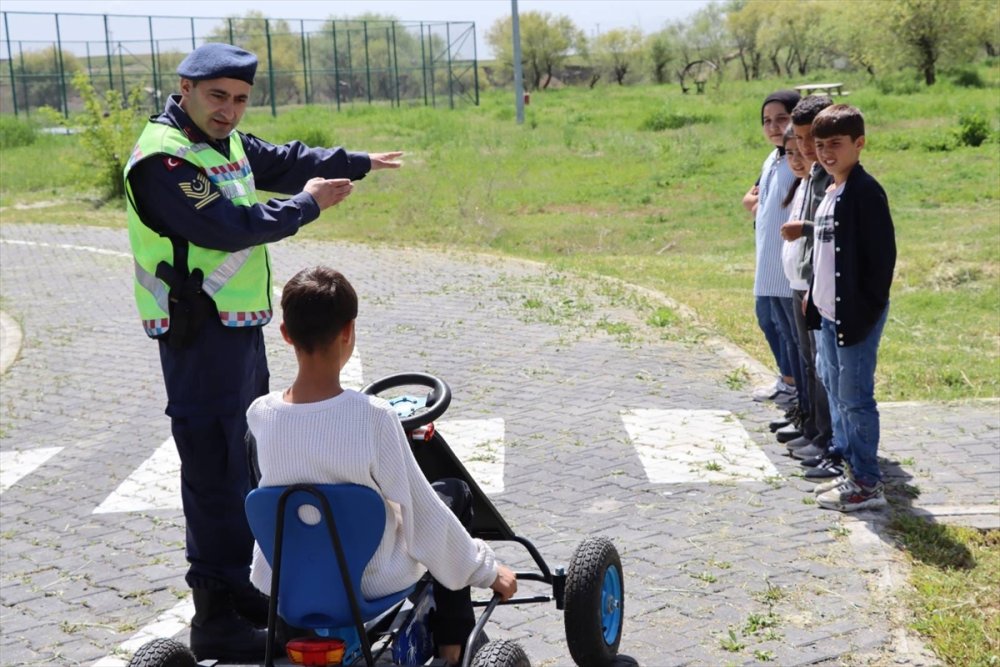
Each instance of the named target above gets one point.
<point>203,288</point>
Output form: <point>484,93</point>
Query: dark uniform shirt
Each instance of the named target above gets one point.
<point>163,205</point>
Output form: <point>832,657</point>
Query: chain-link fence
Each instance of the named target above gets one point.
<point>301,61</point>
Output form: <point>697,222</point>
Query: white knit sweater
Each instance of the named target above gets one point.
<point>355,438</point>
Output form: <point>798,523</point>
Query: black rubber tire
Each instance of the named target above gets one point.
<point>582,616</point>
<point>501,653</point>
<point>163,652</point>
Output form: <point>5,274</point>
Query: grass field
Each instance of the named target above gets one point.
<point>584,187</point>
<point>588,186</point>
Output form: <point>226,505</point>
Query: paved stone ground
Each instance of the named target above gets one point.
<point>558,359</point>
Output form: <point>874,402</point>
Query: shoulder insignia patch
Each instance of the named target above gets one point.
<point>199,190</point>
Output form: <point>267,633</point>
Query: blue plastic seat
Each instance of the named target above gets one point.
<point>318,553</point>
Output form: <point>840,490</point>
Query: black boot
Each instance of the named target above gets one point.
<point>251,604</point>
<point>218,632</point>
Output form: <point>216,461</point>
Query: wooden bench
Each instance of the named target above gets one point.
<point>828,88</point>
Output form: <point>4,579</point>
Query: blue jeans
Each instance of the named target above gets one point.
<point>848,373</point>
<point>768,323</point>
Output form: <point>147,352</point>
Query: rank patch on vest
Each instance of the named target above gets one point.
<point>200,191</point>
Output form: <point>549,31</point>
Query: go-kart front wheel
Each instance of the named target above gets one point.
<point>595,603</point>
<point>501,653</point>
<point>163,652</point>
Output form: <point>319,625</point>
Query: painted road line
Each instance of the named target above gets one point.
<point>17,464</point>
<point>678,446</point>
<point>167,624</point>
<point>67,246</point>
<point>479,444</point>
<point>154,485</point>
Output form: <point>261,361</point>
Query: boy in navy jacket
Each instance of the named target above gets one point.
<point>854,256</point>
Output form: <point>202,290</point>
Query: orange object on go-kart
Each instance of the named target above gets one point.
<point>315,651</point>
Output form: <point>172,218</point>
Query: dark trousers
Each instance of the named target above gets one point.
<point>453,616</point>
<point>210,384</point>
<point>817,426</point>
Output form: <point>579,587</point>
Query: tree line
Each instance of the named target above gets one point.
<point>752,39</point>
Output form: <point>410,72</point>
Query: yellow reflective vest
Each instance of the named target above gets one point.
<point>238,282</point>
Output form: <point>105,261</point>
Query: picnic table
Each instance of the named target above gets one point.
<point>829,88</point>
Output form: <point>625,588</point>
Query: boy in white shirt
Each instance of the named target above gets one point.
<point>317,432</point>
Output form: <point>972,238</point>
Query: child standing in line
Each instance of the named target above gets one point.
<point>317,432</point>
<point>817,432</point>
<point>848,302</point>
<point>772,294</point>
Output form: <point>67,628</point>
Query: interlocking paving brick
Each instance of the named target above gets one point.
<point>699,558</point>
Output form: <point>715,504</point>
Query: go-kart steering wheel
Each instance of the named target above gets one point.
<point>414,412</point>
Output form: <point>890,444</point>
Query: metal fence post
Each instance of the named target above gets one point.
<point>451,76</point>
<point>270,67</point>
<point>62,71</point>
<point>24,81</point>
<point>350,61</point>
<point>193,46</point>
<point>395,62</point>
<point>10,65</point>
<point>305,59</point>
<point>430,49</point>
<point>475,62</point>
<point>423,62</point>
<point>368,67</point>
<point>336,66</point>
<point>152,61</point>
<point>107,52</point>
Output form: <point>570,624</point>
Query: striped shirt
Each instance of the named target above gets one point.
<point>776,180</point>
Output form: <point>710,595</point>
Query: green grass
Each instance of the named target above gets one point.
<point>583,187</point>
<point>956,582</point>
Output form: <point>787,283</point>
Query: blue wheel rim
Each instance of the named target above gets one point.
<point>611,605</point>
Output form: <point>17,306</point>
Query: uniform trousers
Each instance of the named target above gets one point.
<point>210,384</point>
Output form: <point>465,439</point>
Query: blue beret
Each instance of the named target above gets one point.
<point>219,61</point>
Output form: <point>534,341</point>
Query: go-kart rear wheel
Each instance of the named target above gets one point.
<point>163,652</point>
<point>595,603</point>
<point>501,653</point>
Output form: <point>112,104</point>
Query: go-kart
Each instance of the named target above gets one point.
<point>316,581</point>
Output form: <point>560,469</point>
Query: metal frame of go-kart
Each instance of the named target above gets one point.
<point>437,461</point>
<point>591,593</point>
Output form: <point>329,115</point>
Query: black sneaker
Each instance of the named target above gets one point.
<point>790,416</point>
<point>811,463</point>
<point>829,466</point>
<point>788,433</point>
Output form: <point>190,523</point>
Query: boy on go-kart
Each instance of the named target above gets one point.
<point>317,432</point>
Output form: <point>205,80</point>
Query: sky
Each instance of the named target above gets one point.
<point>591,16</point>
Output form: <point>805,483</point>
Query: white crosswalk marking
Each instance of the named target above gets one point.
<point>155,485</point>
<point>678,446</point>
<point>167,624</point>
<point>16,464</point>
<point>479,444</point>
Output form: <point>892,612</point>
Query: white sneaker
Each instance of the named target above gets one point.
<point>829,484</point>
<point>851,496</point>
<point>779,392</point>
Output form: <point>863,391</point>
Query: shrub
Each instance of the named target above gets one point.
<point>973,130</point>
<point>671,120</point>
<point>15,132</point>
<point>967,77</point>
<point>900,83</point>
<point>939,143</point>
<point>109,127</point>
